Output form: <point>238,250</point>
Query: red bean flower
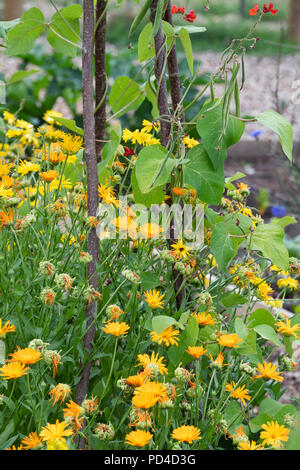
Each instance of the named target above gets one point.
<point>266,9</point>
<point>175,10</point>
<point>190,17</point>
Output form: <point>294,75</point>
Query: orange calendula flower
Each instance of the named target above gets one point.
<point>106,193</point>
<point>274,434</point>
<point>136,380</point>
<point>158,389</point>
<point>154,299</point>
<point>144,400</point>
<point>6,328</point>
<point>219,361</point>
<point>49,176</point>
<point>286,329</point>
<point>249,445</point>
<point>55,431</point>
<point>239,393</point>
<point>153,362</point>
<point>60,392</point>
<point>6,218</point>
<point>268,371</point>
<point>116,328</point>
<point>178,191</point>
<point>187,434</point>
<point>229,340</point>
<point>72,414</point>
<point>196,351</point>
<point>168,336</point>
<point>26,356</point>
<point>204,319</point>
<point>31,442</point>
<point>13,370</point>
<point>138,438</point>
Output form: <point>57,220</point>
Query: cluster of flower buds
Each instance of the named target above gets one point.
<point>46,268</point>
<point>183,375</point>
<point>190,17</point>
<point>105,432</point>
<point>131,276</point>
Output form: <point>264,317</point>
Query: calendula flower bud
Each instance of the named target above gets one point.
<point>26,221</point>
<point>78,188</point>
<point>105,432</point>
<point>182,375</point>
<point>194,391</point>
<point>74,292</point>
<point>176,446</point>
<point>46,268</point>
<point>166,256</point>
<point>122,384</point>
<point>131,276</point>
<point>63,281</point>
<point>47,296</point>
<point>205,298</point>
<point>85,257</point>
<point>90,294</point>
<point>246,367</point>
<point>166,404</point>
<point>290,420</point>
<point>38,345</point>
<point>12,202</point>
<point>185,405</point>
<point>2,399</point>
<point>90,405</point>
<point>286,363</point>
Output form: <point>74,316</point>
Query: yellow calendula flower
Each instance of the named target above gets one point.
<point>116,328</point>
<point>6,328</point>
<point>55,431</point>
<point>60,392</point>
<point>13,370</point>
<point>187,434</point>
<point>229,340</point>
<point>274,434</point>
<point>32,441</point>
<point>9,118</point>
<point>60,183</point>
<point>106,193</point>
<point>289,283</point>
<point>153,362</point>
<point>196,351</point>
<point>268,371</point>
<point>5,192</point>
<point>71,144</point>
<point>57,444</point>
<point>190,142</point>
<point>150,230</point>
<point>239,393</point>
<point>50,116</point>
<point>149,126</point>
<point>5,168</point>
<point>154,299</point>
<point>26,356</point>
<point>204,319</point>
<point>26,167</point>
<point>249,445</point>
<point>285,328</point>
<point>169,336</point>
<point>138,438</point>
<point>180,250</point>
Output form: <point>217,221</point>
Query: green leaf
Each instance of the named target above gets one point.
<point>267,332</point>
<point>125,95</point>
<point>20,75</point>
<point>261,317</point>
<point>233,416</point>
<point>5,26</point>
<point>231,300</point>
<point>199,172</point>
<point>138,19</point>
<point>248,346</point>
<point>191,29</point>
<point>153,168</point>
<point>188,337</point>
<point>284,221</point>
<point>161,322</point>
<point>268,239</point>
<point>187,46</point>
<point>223,245</point>
<point>155,196</point>
<point>281,126</point>
<point>149,280</point>
<point>66,24</point>
<point>256,423</point>
<point>210,126</point>
<point>146,47</point>
<point>21,38</point>
<point>70,124</point>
